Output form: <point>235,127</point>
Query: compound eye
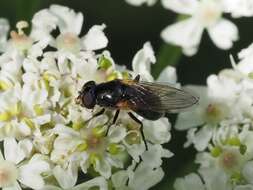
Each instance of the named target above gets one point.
<point>88,85</point>
<point>89,100</point>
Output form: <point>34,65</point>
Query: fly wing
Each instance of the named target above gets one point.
<point>160,97</point>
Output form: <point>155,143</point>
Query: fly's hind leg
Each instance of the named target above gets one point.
<point>141,128</point>
<point>144,140</point>
<point>113,121</point>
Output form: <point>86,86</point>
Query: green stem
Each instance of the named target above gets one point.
<point>168,55</point>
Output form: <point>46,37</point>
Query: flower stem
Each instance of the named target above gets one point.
<point>168,55</point>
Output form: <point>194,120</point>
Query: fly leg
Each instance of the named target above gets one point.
<point>141,128</point>
<point>99,113</point>
<point>114,120</point>
<point>96,115</point>
<point>137,78</point>
<point>143,137</point>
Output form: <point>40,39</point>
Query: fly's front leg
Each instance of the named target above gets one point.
<point>137,78</point>
<point>113,121</point>
<point>141,128</point>
<point>99,113</point>
<point>96,115</point>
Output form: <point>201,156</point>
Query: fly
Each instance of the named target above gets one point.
<point>148,99</point>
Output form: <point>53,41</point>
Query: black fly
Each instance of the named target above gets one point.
<point>147,99</point>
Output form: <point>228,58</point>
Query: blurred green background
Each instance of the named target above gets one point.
<point>128,28</point>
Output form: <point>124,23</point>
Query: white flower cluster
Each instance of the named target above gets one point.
<point>224,135</point>
<point>199,15</point>
<point>47,140</point>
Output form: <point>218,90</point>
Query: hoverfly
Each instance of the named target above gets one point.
<point>148,99</point>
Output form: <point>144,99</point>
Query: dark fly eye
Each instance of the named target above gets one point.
<point>89,100</point>
<point>88,85</point>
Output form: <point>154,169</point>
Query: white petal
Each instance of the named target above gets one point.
<point>62,130</point>
<point>43,23</point>
<point>182,6</point>
<point>186,120</point>
<point>248,171</point>
<point>223,33</point>
<point>117,134</point>
<point>69,20</point>
<point>153,157</point>
<point>168,75</point>
<point>119,179</point>
<point>103,167</point>
<point>40,120</point>
<point>26,146</point>
<point>141,2</point>
<point>95,182</point>
<point>142,60</point>
<point>191,181</point>
<point>95,38</point>
<point>193,117</point>
<point>1,156</point>
<point>9,172</point>
<point>51,187</point>
<point>135,150</point>
<point>12,151</point>
<point>215,178</point>
<point>83,163</point>
<point>244,187</point>
<point>186,34</point>
<point>238,8</point>
<point>4,28</point>
<point>202,138</point>
<point>157,131</point>
<point>30,173</point>
<point>16,186</point>
<point>60,175</point>
<point>145,177</point>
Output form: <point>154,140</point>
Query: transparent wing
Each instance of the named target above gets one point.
<point>160,97</point>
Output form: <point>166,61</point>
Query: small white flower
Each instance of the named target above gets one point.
<point>12,169</point>
<point>204,14</point>
<point>70,25</point>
